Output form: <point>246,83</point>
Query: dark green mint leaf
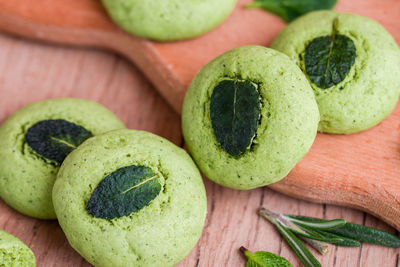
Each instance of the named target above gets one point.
<point>123,192</point>
<point>289,10</point>
<point>264,259</point>
<point>55,139</point>
<point>235,110</point>
<point>328,59</point>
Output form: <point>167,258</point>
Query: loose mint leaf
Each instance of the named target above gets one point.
<point>264,259</point>
<point>328,59</point>
<point>235,112</point>
<point>55,139</point>
<point>291,9</point>
<point>123,192</point>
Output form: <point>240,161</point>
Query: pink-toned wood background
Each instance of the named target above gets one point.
<point>359,170</point>
<point>32,71</point>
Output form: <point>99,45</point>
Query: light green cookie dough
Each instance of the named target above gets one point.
<point>370,90</point>
<point>14,253</point>
<point>286,129</point>
<point>168,20</point>
<point>27,178</point>
<point>161,233</point>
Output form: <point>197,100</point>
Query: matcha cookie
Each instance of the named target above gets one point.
<point>33,143</point>
<point>168,20</point>
<point>14,253</point>
<point>351,62</point>
<point>248,117</point>
<point>130,198</point>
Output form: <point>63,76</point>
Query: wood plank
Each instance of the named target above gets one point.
<point>359,170</point>
<point>30,71</point>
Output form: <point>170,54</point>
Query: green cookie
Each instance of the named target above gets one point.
<point>130,198</point>
<point>168,20</point>
<point>355,75</point>
<point>14,253</point>
<point>248,117</point>
<point>31,142</point>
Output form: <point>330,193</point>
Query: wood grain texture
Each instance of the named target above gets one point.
<point>31,72</point>
<point>359,170</point>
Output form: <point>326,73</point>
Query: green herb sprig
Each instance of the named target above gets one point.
<point>264,259</point>
<point>288,10</point>
<point>317,232</point>
<point>356,232</point>
<point>286,228</point>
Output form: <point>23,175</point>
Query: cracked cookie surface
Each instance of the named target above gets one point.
<point>168,20</point>
<point>287,118</point>
<point>162,232</point>
<point>26,177</point>
<point>14,252</point>
<point>371,88</point>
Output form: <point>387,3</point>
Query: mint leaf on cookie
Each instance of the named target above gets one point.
<point>328,59</point>
<point>123,192</point>
<point>55,139</point>
<point>235,110</point>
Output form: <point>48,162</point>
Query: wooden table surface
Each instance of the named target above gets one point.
<point>31,71</point>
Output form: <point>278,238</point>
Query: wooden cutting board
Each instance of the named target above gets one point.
<point>360,170</point>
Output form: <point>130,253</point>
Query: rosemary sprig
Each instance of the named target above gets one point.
<point>322,225</point>
<point>340,240</point>
<point>359,232</point>
<point>316,235</point>
<point>298,247</point>
<point>317,232</point>
<point>319,246</point>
